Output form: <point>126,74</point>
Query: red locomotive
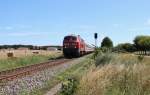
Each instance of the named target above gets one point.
<point>75,46</point>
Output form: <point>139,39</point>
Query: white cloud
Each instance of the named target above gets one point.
<point>116,25</point>
<point>147,23</point>
<point>8,28</point>
<point>15,26</point>
<point>31,34</point>
<point>87,27</point>
<point>142,28</point>
<point>22,26</point>
<point>80,29</point>
<point>139,29</point>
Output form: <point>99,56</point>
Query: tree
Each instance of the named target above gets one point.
<point>142,43</point>
<point>126,47</point>
<point>137,42</point>
<point>107,42</point>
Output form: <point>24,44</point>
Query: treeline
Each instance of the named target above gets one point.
<point>32,47</point>
<point>140,44</point>
<point>17,46</point>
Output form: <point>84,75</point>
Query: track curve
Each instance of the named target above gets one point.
<point>9,75</point>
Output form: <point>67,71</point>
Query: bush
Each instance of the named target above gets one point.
<point>96,52</point>
<point>103,58</point>
<point>69,86</point>
<point>140,57</point>
<point>99,51</point>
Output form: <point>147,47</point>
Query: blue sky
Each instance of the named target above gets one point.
<point>46,22</point>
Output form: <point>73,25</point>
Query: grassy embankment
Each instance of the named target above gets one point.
<point>117,74</point>
<point>75,71</point>
<point>10,63</point>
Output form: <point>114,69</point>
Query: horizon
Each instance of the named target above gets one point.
<point>46,22</point>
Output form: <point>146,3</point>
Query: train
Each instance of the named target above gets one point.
<point>75,46</point>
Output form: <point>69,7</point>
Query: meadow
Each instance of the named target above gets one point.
<point>25,57</point>
<point>22,53</point>
<point>117,74</point>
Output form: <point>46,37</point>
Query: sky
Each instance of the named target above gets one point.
<point>46,22</point>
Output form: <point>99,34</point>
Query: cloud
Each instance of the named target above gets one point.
<point>14,27</point>
<point>87,27</point>
<point>29,34</point>
<point>22,26</point>
<point>147,22</point>
<point>142,28</point>
<point>79,29</point>
<point>8,27</point>
<point>139,29</point>
<point>116,25</point>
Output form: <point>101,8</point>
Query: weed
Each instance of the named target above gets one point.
<point>140,58</point>
<point>102,59</point>
<point>122,77</point>
<point>69,86</point>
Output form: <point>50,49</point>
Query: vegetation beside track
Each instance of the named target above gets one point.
<point>75,71</point>
<point>116,74</point>
<point>11,63</point>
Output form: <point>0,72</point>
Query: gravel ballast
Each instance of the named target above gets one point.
<point>36,80</point>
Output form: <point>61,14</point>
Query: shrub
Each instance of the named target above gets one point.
<point>69,86</point>
<point>140,58</point>
<point>104,58</point>
<point>99,51</point>
<point>96,52</point>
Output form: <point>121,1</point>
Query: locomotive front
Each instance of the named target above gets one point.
<point>71,46</point>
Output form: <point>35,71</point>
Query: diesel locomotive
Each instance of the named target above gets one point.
<point>75,46</point>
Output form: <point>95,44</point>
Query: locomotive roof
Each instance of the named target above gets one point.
<point>73,35</point>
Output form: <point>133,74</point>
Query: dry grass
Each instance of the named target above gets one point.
<point>22,53</point>
<point>24,58</point>
<point>125,75</point>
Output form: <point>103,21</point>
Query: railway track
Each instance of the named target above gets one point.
<point>9,75</point>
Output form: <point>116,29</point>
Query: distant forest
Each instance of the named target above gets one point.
<point>27,46</point>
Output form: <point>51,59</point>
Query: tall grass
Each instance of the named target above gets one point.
<point>124,75</point>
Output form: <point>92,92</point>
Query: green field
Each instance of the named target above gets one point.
<point>10,63</point>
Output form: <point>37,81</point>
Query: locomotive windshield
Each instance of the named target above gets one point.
<point>68,38</point>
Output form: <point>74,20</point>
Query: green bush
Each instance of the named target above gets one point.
<point>99,51</point>
<point>104,58</point>
<point>69,86</point>
<point>140,58</point>
<point>96,52</point>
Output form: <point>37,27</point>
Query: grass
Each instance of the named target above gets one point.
<point>10,63</point>
<point>124,74</point>
<point>76,70</point>
<point>23,53</point>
